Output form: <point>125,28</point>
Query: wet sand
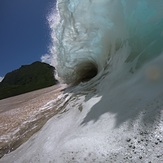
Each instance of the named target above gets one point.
<point>23,115</point>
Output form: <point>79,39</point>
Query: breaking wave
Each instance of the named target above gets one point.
<point>89,33</point>
<point>114,49</point>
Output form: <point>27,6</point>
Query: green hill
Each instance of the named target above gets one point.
<point>27,78</point>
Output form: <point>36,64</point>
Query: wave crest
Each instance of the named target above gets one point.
<point>90,32</point>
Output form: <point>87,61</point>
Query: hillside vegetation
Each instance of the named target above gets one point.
<point>27,78</point>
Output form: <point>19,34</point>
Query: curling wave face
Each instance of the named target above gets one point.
<point>91,31</point>
<point>121,43</point>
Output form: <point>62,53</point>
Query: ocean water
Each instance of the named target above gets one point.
<point>111,54</point>
<point>91,32</point>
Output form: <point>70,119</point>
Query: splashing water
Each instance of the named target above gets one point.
<point>90,32</point>
<point>114,49</point>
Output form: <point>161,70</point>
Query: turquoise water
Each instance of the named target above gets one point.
<point>112,50</point>
<point>91,32</point>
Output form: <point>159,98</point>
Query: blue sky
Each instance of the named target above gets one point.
<point>24,32</point>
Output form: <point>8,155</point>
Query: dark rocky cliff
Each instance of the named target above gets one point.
<point>27,78</point>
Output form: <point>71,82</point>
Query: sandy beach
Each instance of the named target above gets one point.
<point>23,115</point>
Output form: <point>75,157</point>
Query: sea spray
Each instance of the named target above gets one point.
<point>91,31</point>
<point>85,36</point>
<point>120,117</point>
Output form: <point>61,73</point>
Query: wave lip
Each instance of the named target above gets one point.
<point>91,33</point>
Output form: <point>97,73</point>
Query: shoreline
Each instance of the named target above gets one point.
<point>25,115</point>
